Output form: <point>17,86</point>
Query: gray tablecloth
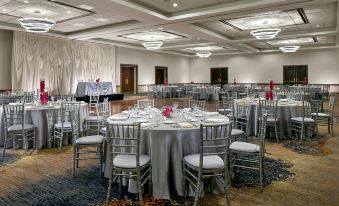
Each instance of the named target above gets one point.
<point>94,88</point>
<point>41,117</point>
<point>10,99</point>
<point>167,145</point>
<point>284,114</point>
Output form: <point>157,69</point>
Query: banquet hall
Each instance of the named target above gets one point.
<point>169,102</point>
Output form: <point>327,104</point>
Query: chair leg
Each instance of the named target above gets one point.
<point>150,181</point>
<point>74,160</point>
<point>100,159</point>
<point>108,198</point>
<point>139,187</point>
<point>196,198</point>
<point>77,150</point>
<point>183,180</point>
<point>261,173</point>
<point>276,132</point>
<point>332,129</point>
<point>328,125</point>
<point>5,145</point>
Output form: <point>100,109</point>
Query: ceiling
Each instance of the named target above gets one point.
<point>185,26</point>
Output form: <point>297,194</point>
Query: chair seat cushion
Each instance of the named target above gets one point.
<point>89,140</point>
<point>300,119</point>
<point>129,161</point>
<point>18,127</point>
<point>237,132</point>
<point>244,147</point>
<point>103,130</point>
<point>94,118</point>
<point>66,125</point>
<point>321,115</point>
<point>270,119</point>
<point>209,162</point>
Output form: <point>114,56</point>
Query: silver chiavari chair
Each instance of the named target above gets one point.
<point>197,103</point>
<point>326,119</point>
<point>241,117</point>
<point>79,142</point>
<point>15,127</point>
<point>145,103</point>
<point>126,158</point>
<point>269,108</point>
<point>248,155</point>
<point>64,126</point>
<point>92,105</point>
<point>67,97</point>
<point>304,123</point>
<point>212,160</point>
<point>96,124</point>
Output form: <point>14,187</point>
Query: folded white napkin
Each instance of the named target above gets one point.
<point>116,117</point>
<point>211,113</point>
<point>213,120</point>
<point>185,125</point>
<point>144,125</point>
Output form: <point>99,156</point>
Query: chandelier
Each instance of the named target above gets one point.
<point>36,24</point>
<point>203,54</point>
<point>152,45</point>
<point>289,48</point>
<point>265,33</point>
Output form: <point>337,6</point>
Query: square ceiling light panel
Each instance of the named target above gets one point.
<point>297,41</point>
<point>268,20</point>
<point>15,9</point>
<point>153,36</point>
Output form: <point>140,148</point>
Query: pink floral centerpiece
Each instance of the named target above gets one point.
<point>167,112</point>
<point>269,92</point>
<point>43,93</point>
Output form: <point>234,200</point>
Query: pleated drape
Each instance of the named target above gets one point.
<point>62,63</point>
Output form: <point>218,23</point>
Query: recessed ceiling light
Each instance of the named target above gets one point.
<point>68,12</point>
<point>87,7</point>
<point>175,4</point>
<point>317,25</point>
<point>4,10</point>
<point>26,2</point>
<point>101,19</point>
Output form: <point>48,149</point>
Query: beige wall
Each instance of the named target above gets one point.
<point>6,39</point>
<point>178,66</point>
<point>323,66</point>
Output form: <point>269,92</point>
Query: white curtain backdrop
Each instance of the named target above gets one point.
<point>62,63</point>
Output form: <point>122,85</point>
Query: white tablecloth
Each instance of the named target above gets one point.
<point>40,117</point>
<point>94,88</point>
<point>167,145</point>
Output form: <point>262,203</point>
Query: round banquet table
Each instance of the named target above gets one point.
<point>43,117</point>
<point>166,144</point>
<point>285,111</point>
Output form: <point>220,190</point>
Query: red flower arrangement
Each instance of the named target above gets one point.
<point>269,92</point>
<point>97,80</point>
<point>43,94</point>
<point>167,112</point>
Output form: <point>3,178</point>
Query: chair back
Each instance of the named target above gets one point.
<point>145,103</point>
<point>124,139</point>
<point>197,103</point>
<point>67,97</point>
<point>331,104</point>
<point>214,140</point>
<point>67,108</point>
<point>104,109</point>
<point>242,115</point>
<point>75,125</point>
<point>14,115</point>
<point>93,103</point>
<point>268,108</point>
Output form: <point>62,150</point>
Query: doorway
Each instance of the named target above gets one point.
<point>161,73</point>
<point>129,78</point>
<point>219,76</point>
<point>295,74</point>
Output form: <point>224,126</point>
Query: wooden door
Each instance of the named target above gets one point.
<point>219,76</point>
<point>127,79</point>
<point>295,74</point>
<point>160,74</point>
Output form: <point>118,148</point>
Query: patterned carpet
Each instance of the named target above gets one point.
<point>91,190</point>
<point>8,158</point>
